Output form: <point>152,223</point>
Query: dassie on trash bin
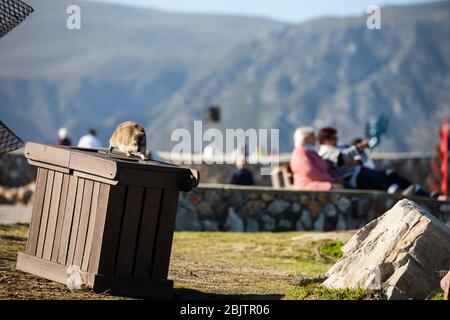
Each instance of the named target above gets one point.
<point>129,137</point>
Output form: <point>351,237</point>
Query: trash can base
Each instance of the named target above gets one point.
<point>48,269</point>
<point>134,287</point>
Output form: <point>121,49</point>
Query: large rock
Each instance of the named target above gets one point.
<point>445,285</point>
<point>402,252</point>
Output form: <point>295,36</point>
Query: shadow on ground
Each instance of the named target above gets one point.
<point>190,294</point>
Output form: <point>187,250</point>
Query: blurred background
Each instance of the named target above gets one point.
<point>266,64</point>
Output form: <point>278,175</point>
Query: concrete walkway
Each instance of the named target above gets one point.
<point>10,214</point>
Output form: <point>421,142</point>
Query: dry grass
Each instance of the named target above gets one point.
<point>204,265</point>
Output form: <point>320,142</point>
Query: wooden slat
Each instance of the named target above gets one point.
<point>84,222</point>
<point>111,236</point>
<point>68,218</point>
<point>59,223</point>
<point>102,207</point>
<point>147,233</point>
<point>75,222</point>
<point>48,166</point>
<point>95,178</point>
<point>48,154</point>
<point>39,195</point>
<point>164,237</point>
<point>130,229</point>
<point>48,269</point>
<point>105,168</point>
<point>52,216</point>
<point>45,212</point>
<point>91,226</point>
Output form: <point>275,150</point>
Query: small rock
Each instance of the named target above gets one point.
<point>253,195</point>
<point>299,225</point>
<point>341,224</point>
<point>234,222</point>
<point>267,197</point>
<point>278,206</point>
<point>218,208</point>
<point>235,199</point>
<point>319,224</point>
<point>257,205</point>
<point>330,210</point>
<point>269,222</point>
<point>344,204</point>
<point>322,198</point>
<point>314,207</point>
<point>285,224</point>
<point>209,225</point>
<point>306,219</point>
<point>187,218</point>
<point>304,199</point>
<point>212,196</point>
<point>195,198</point>
<point>204,209</point>
<point>295,207</point>
<point>251,225</point>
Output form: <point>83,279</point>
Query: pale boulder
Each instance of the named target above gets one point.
<point>403,252</point>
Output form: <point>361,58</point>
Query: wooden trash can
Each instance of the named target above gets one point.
<point>111,216</point>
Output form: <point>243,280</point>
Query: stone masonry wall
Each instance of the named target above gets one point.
<point>15,170</point>
<point>232,208</point>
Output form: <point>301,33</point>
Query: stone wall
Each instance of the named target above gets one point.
<point>15,170</point>
<point>233,208</point>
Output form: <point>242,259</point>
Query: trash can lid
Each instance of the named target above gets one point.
<point>112,168</point>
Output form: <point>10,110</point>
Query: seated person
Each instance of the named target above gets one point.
<point>241,175</point>
<point>363,158</point>
<point>348,164</point>
<point>309,170</point>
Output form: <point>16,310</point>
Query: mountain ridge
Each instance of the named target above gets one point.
<point>163,69</point>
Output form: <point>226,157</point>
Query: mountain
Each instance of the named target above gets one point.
<point>332,71</point>
<point>120,65</point>
<point>162,69</point>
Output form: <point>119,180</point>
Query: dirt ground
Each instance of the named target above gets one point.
<point>206,265</point>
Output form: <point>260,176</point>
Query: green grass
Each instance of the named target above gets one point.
<point>438,296</point>
<point>316,291</point>
<point>331,250</point>
<point>207,265</point>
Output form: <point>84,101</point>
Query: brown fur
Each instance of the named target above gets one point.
<point>129,137</point>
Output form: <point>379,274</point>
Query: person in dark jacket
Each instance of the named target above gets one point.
<point>241,175</point>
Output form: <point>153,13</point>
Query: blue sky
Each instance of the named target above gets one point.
<point>282,10</point>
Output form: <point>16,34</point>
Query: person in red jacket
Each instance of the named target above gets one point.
<point>310,171</point>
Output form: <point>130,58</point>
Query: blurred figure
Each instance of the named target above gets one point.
<point>241,175</point>
<point>310,171</point>
<point>90,140</point>
<point>63,138</point>
<point>363,157</point>
<point>348,162</point>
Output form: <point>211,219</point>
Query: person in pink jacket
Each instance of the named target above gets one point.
<point>310,171</point>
